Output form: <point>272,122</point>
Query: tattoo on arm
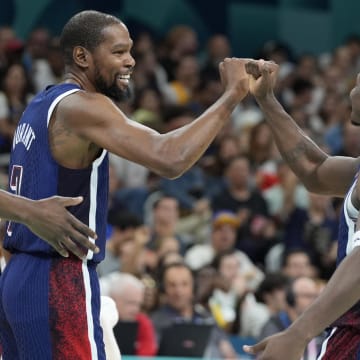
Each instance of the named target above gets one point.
<point>304,150</point>
<point>59,135</point>
<point>295,153</point>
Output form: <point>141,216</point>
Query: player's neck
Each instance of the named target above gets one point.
<point>72,77</point>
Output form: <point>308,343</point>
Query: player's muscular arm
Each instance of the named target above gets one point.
<point>95,118</point>
<point>319,172</point>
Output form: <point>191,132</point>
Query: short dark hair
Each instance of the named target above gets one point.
<point>271,282</point>
<point>84,29</point>
<point>292,251</point>
<point>175,265</point>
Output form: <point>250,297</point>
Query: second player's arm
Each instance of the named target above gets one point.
<point>319,172</point>
<point>49,219</point>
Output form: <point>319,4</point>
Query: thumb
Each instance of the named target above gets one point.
<point>70,201</point>
<point>252,68</point>
<point>265,71</point>
<point>254,349</point>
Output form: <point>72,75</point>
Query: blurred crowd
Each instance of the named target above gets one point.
<point>236,241</point>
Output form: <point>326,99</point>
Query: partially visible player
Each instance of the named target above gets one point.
<point>338,305</point>
<point>60,147</point>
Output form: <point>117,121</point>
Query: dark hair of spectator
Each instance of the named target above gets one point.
<point>271,282</point>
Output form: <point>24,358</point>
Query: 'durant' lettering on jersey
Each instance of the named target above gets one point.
<point>24,134</point>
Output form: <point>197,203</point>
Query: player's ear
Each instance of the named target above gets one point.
<point>81,56</point>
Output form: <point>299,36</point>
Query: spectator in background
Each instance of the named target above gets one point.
<point>163,223</point>
<point>148,105</point>
<point>281,54</point>
<point>6,34</point>
<point>284,193</point>
<point>314,230</point>
<point>256,231</point>
<point>14,51</point>
<point>223,238</point>
<point>16,92</point>
<point>262,154</point>
<point>253,313</point>
<point>123,225</point>
<point>154,258</point>
<point>207,91</point>
<point>232,301</point>
<point>148,72</point>
<point>215,161</point>
<point>271,292</point>
<point>351,145</point>
<point>36,58</point>
<point>229,290</point>
<point>180,41</point>
<point>177,284</point>
<point>128,293</point>
<point>218,48</point>
<point>186,80</point>
<point>335,112</point>
<point>55,61</point>
<point>296,263</point>
<point>299,295</point>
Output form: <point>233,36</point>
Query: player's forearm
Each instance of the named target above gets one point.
<point>340,294</point>
<point>14,208</point>
<point>298,150</point>
<point>185,146</point>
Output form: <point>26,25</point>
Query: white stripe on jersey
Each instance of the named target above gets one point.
<point>93,197</point>
<point>56,101</point>
<point>351,214</point>
<point>92,225</point>
<point>324,344</point>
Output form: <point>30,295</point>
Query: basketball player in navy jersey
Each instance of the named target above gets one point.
<point>49,305</point>
<point>338,306</point>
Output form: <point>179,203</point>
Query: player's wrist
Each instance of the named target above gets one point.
<point>29,210</point>
<point>301,331</point>
<point>267,98</point>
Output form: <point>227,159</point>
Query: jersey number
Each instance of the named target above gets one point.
<point>15,186</point>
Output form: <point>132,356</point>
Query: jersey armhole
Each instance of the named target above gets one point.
<point>56,101</point>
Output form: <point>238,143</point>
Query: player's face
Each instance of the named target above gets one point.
<point>355,102</point>
<point>113,63</point>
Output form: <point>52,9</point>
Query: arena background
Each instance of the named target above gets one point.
<point>308,25</point>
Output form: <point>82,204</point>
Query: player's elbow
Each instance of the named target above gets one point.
<point>172,160</point>
<point>172,168</point>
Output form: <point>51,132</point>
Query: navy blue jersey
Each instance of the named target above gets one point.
<point>35,174</point>
<point>347,226</point>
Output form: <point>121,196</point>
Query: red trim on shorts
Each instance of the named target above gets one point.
<point>67,311</point>
<point>344,344</point>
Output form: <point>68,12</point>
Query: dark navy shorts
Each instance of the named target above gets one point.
<point>49,309</point>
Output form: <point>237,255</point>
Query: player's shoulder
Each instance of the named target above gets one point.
<point>82,97</point>
<point>82,102</point>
